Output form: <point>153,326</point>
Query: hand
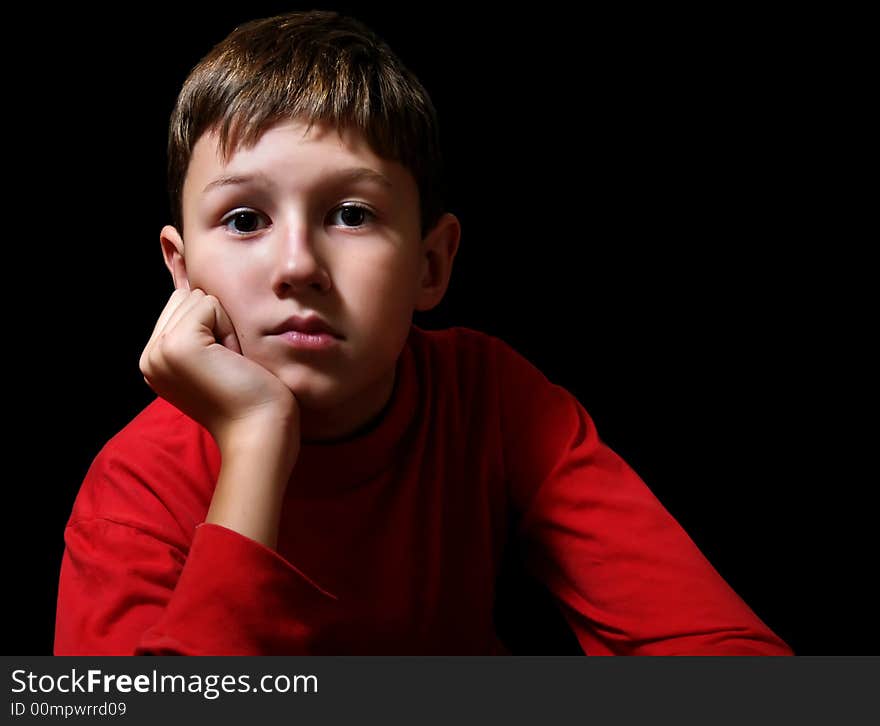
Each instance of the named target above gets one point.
<point>211,381</point>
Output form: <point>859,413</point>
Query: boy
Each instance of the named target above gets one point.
<point>317,475</point>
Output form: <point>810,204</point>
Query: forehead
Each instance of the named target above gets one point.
<point>289,155</point>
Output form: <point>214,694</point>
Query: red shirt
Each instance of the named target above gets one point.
<point>391,541</point>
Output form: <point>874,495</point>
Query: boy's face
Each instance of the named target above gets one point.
<point>291,235</point>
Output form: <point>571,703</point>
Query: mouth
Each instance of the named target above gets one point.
<point>305,328</point>
<point>309,341</point>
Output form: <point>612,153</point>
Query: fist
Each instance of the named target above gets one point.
<point>194,361</point>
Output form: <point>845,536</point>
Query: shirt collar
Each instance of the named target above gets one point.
<point>325,468</point>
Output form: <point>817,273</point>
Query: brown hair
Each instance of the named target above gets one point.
<point>318,66</point>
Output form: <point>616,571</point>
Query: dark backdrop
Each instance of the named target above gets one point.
<point>645,210</point>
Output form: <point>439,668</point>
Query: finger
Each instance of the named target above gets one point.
<point>204,317</point>
<point>180,302</point>
<point>177,298</point>
<point>180,313</point>
<point>224,330</point>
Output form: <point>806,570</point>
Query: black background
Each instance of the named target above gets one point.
<point>654,212</point>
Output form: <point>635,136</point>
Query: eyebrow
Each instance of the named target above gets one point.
<point>355,174</point>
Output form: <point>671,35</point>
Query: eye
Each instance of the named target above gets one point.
<point>353,215</point>
<point>246,221</point>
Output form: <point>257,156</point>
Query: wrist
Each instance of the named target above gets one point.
<point>265,437</point>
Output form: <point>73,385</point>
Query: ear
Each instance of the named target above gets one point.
<point>438,253</point>
<point>172,251</point>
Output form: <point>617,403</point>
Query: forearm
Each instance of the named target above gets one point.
<point>251,485</point>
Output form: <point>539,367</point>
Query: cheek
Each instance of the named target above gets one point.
<point>380,302</point>
<point>379,284</point>
<point>223,275</point>
<point>208,270</point>
<point>229,284</point>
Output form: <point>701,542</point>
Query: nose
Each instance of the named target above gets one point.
<point>297,266</point>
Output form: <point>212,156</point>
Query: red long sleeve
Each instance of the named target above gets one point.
<point>391,542</point>
<point>220,599</point>
<point>628,578</point>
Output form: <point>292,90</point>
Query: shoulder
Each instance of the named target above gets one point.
<point>158,471</point>
<point>465,346</point>
<point>159,428</point>
<point>539,422</point>
<point>484,371</point>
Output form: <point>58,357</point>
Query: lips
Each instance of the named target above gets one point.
<point>305,324</point>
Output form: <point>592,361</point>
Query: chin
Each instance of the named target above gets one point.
<point>311,390</point>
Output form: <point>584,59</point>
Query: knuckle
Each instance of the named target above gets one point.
<point>177,297</point>
<point>152,360</point>
<point>169,348</point>
<point>174,350</point>
<point>161,346</point>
